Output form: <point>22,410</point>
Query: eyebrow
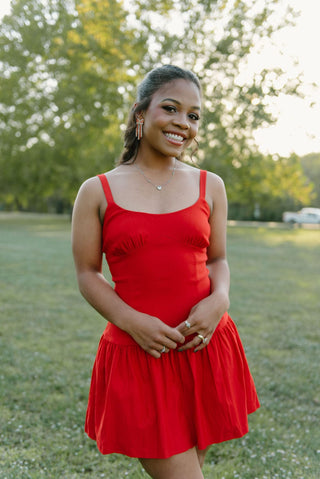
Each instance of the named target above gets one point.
<point>178,103</point>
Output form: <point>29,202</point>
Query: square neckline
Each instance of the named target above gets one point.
<point>157,214</point>
<point>110,200</point>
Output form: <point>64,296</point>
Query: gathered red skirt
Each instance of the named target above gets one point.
<point>154,408</point>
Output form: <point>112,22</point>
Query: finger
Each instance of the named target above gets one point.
<point>184,329</point>
<point>158,353</point>
<point>180,327</point>
<point>168,343</point>
<point>203,344</point>
<point>154,353</point>
<point>174,335</point>
<point>191,344</point>
<point>165,343</point>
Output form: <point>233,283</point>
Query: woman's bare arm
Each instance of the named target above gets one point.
<point>149,332</point>
<point>204,317</point>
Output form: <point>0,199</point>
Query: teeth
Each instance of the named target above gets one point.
<point>172,136</point>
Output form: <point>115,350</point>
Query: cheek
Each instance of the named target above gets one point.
<point>161,120</point>
<point>157,120</point>
<point>194,131</point>
<point>193,134</point>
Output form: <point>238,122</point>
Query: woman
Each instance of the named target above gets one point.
<point>162,226</point>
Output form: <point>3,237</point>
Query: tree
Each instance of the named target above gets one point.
<point>62,95</point>
<point>69,72</point>
<point>222,35</point>
<point>214,39</point>
<point>282,186</point>
<point>311,168</point>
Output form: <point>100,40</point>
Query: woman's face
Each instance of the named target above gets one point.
<point>172,119</point>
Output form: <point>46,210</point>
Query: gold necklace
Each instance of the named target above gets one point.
<point>158,187</point>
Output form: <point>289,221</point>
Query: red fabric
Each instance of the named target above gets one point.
<point>146,407</point>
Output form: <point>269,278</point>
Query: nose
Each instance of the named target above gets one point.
<point>182,122</point>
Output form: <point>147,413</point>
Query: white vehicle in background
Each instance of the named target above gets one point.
<point>306,215</point>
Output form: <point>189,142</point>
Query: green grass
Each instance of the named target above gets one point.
<point>49,337</point>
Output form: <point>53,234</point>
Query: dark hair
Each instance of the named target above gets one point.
<point>153,81</point>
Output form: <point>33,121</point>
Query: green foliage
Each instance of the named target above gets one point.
<point>264,187</point>
<point>311,168</point>
<point>68,75</point>
<point>65,86</point>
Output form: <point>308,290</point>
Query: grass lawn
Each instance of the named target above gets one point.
<point>49,337</point>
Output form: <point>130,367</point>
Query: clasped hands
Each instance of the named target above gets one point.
<point>156,337</point>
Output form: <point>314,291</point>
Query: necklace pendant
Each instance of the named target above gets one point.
<point>158,187</point>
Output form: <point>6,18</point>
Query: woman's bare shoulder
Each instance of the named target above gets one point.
<point>93,185</point>
<point>214,182</point>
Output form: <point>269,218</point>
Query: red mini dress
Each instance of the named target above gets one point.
<point>154,408</point>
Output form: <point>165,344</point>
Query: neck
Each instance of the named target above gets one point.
<point>163,164</point>
<point>151,158</point>
<point>159,186</point>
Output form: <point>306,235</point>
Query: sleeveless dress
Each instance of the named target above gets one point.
<point>145,407</point>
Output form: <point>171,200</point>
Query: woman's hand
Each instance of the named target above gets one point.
<point>203,319</point>
<point>153,335</point>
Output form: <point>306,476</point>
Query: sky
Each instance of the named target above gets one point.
<point>297,129</point>
<point>298,126</point>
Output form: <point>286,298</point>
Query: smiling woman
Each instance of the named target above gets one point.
<point>170,124</point>
<point>155,83</point>
<point>162,227</point>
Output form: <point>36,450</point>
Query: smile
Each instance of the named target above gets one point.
<point>174,137</point>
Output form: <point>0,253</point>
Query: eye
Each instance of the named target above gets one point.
<point>194,116</point>
<point>170,108</point>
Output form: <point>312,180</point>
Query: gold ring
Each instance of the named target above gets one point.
<point>201,337</point>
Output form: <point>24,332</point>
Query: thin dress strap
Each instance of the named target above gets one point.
<point>106,188</point>
<point>203,181</point>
